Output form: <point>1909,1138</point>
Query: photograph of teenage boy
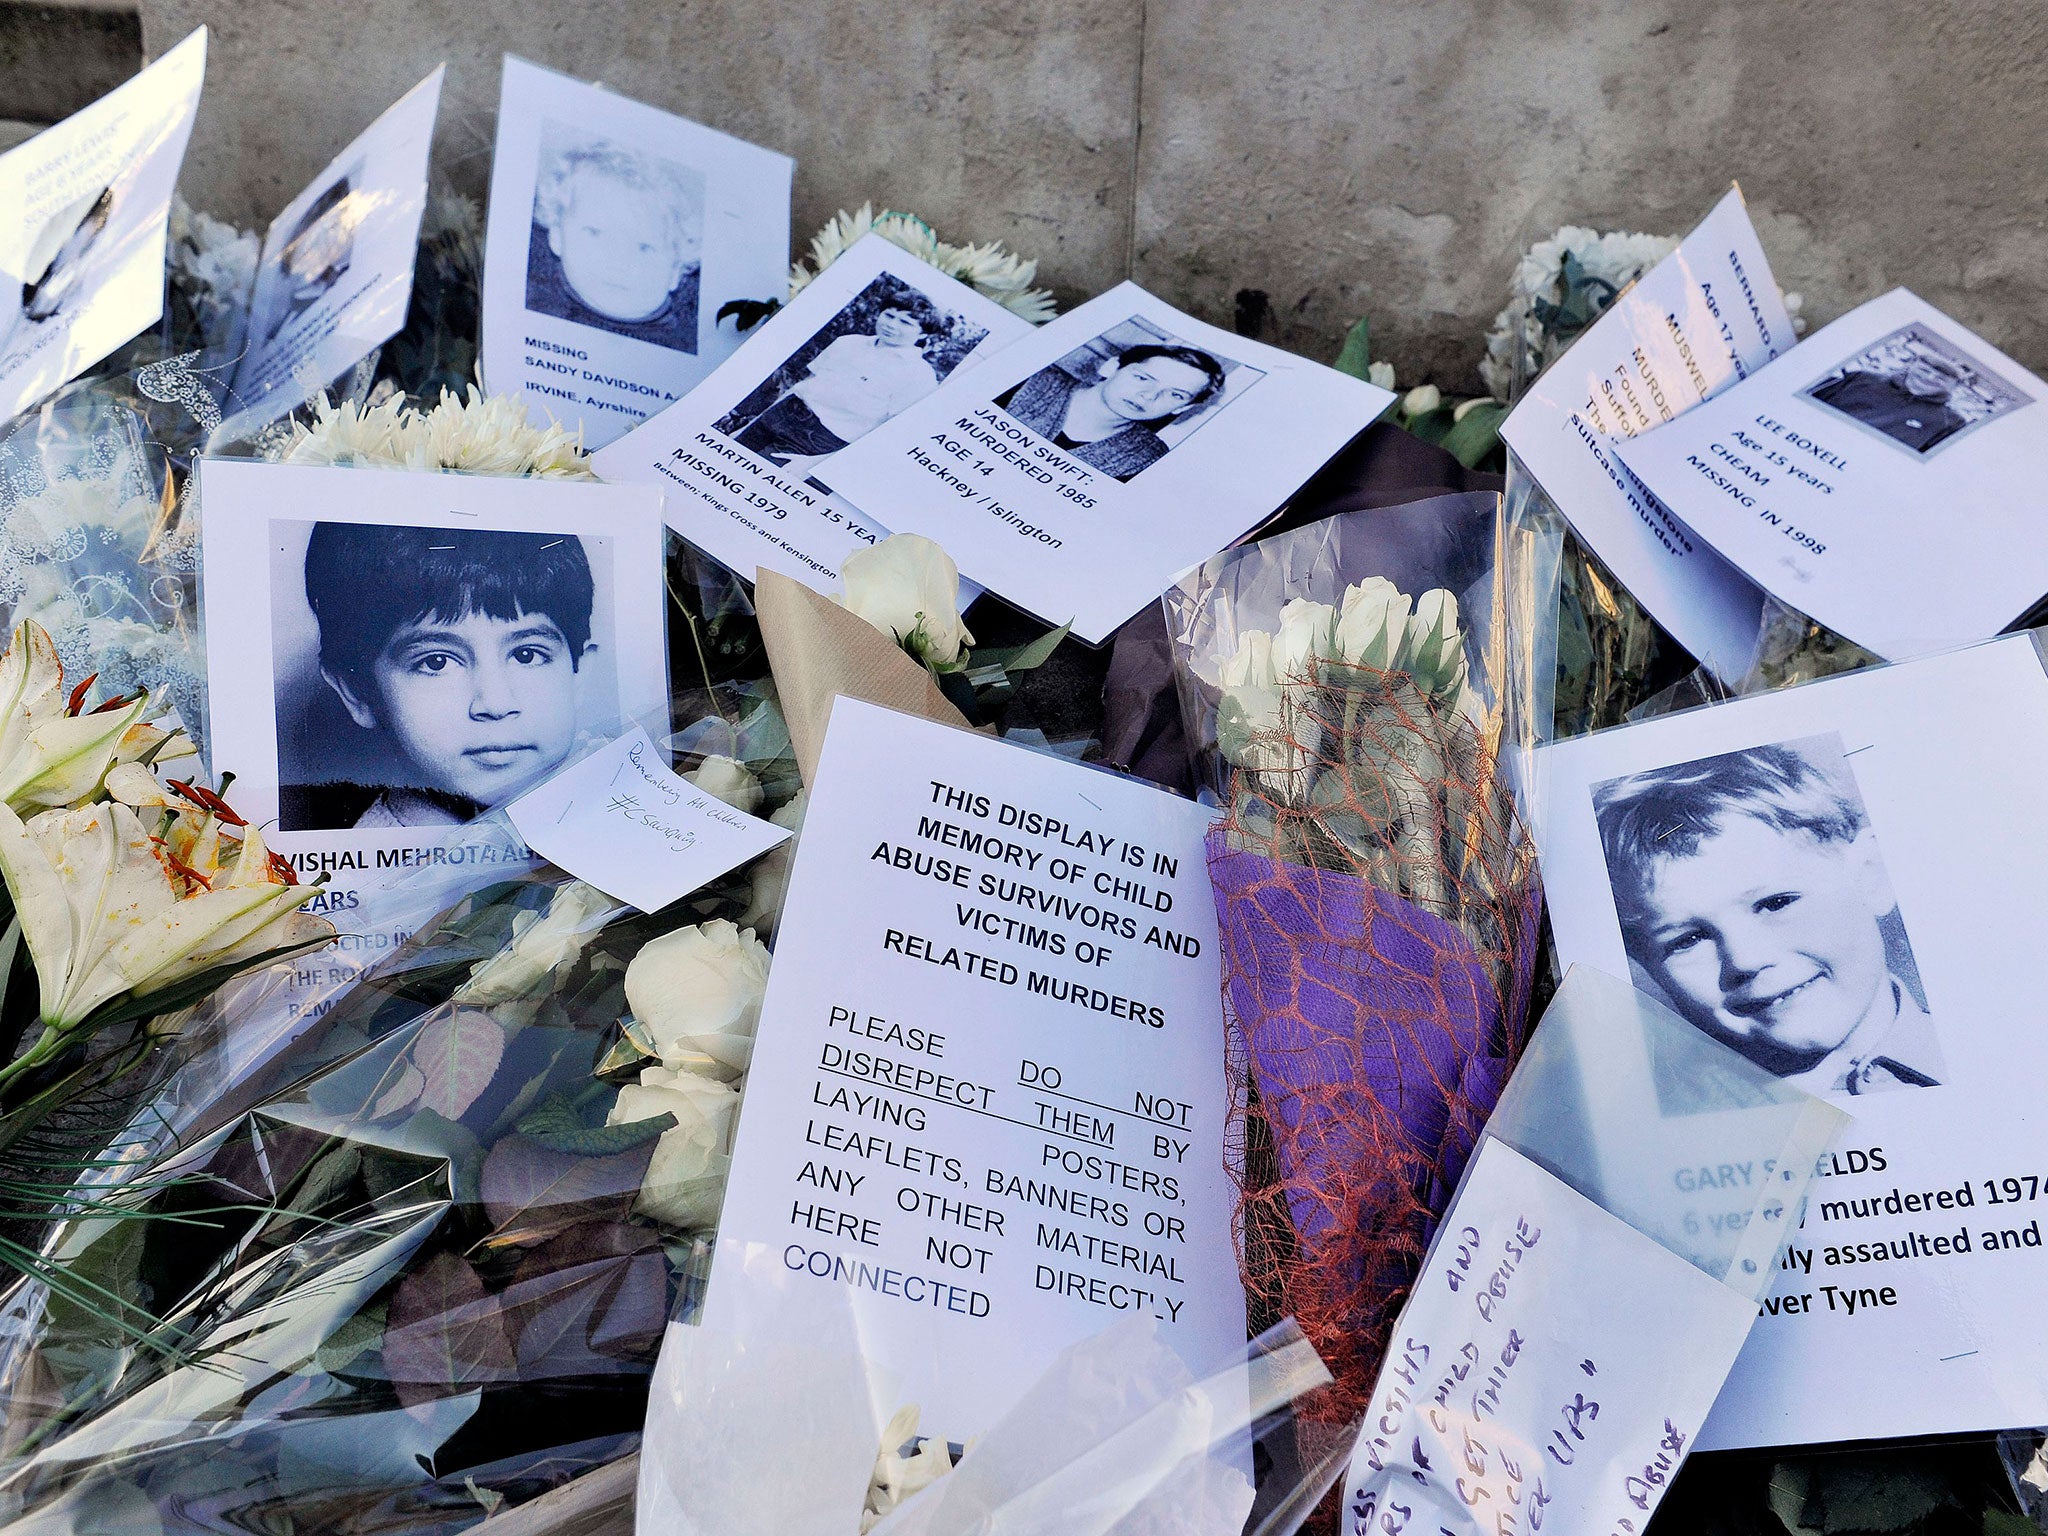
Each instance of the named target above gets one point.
<point>313,258</point>
<point>458,656</point>
<point>887,348</point>
<point>1107,403</point>
<point>615,241</point>
<point>1916,389</point>
<point>1753,897</point>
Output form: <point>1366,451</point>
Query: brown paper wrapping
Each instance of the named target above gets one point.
<point>818,651</point>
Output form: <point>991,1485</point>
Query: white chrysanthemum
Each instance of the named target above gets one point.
<point>1521,345</point>
<point>478,434</point>
<point>988,269</point>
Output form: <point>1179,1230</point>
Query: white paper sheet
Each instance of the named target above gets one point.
<point>1923,779</point>
<point>985,1112</point>
<point>462,709</point>
<point>746,458</point>
<point>625,822</point>
<point>82,241</point>
<point>1888,476</point>
<point>1550,1370</point>
<point>1705,317</point>
<point>1178,452</point>
<point>335,278</point>
<point>616,233</point>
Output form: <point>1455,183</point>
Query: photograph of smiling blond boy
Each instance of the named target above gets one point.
<point>1753,898</point>
<point>616,239</point>
<point>452,664</point>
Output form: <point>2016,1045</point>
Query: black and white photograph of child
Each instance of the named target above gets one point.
<point>58,263</point>
<point>424,675</point>
<point>886,349</point>
<point>1125,400</point>
<point>313,258</point>
<point>616,239</point>
<point>1918,389</point>
<point>1753,899</point>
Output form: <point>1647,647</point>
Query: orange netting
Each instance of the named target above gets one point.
<point>1378,902</point>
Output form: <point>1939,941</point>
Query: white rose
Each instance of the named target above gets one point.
<point>1381,374</point>
<point>697,992</point>
<point>909,588</point>
<point>1308,630</point>
<point>1433,652</point>
<point>541,943</point>
<point>771,871</point>
<point>1372,623</point>
<point>730,780</point>
<point>1251,664</point>
<point>685,1178</point>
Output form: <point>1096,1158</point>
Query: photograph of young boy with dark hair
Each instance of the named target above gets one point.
<point>614,244</point>
<point>460,650</point>
<point>887,348</point>
<point>1752,894</point>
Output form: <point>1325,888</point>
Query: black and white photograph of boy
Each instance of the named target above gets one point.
<point>616,239</point>
<point>1753,899</point>
<point>1123,401</point>
<point>313,258</point>
<point>61,263</point>
<point>424,675</point>
<point>1917,389</point>
<point>886,349</point>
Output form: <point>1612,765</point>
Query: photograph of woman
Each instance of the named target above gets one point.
<point>1114,403</point>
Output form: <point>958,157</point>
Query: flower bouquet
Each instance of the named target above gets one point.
<point>418,1263</point>
<point>1352,686</point>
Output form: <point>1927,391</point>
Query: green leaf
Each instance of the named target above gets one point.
<point>328,1178</point>
<point>1476,434</point>
<point>558,1125</point>
<point>1023,658</point>
<point>1355,356</point>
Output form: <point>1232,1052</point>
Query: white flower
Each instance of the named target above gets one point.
<point>988,269</point>
<point>1433,650</point>
<point>1381,374</point>
<point>475,433</point>
<point>1421,400</point>
<point>1307,634</point>
<point>909,588</point>
<point>1250,710</point>
<point>728,779</point>
<point>50,753</point>
<point>898,1477</point>
<point>697,992</point>
<point>541,943</point>
<point>1372,623</point>
<point>106,910</point>
<point>771,870</point>
<point>685,1177</point>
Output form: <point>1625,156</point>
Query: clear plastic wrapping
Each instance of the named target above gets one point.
<point>1591,1353</point>
<point>1356,690</point>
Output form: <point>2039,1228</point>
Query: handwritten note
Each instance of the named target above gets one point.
<point>1550,1369</point>
<point>624,822</point>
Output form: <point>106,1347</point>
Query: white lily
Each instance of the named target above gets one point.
<point>49,753</point>
<point>107,912</point>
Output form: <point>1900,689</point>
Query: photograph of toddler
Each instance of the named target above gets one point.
<point>616,238</point>
<point>451,672</point>
<point>1753,898</point>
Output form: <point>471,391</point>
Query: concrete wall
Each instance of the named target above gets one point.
<point>1345,157</point>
